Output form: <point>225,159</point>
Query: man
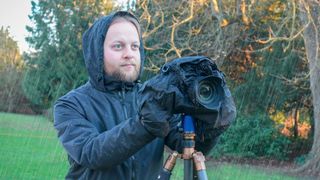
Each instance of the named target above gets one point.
<point>100,124</point>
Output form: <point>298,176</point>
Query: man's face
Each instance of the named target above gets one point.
<point>121,51</point>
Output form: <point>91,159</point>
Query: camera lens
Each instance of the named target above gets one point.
<point>205,92</point>
<point>208,92</point>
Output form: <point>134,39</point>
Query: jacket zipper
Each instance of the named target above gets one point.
<point>133,168</point>
<point>122,96</point>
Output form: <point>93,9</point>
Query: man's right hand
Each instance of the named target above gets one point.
<point>155,112</point>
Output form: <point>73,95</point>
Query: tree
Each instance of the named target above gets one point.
<point>11,67</point>
<point>180,28</point>
<point>57,66</point>
<point>309,15</point>
<point>257,44</point>
<point>269,67</point>
<point>9,51</point>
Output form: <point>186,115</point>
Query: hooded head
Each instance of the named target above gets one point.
<point>99,60</point>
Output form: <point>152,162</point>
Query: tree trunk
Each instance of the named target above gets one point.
<point>309,14</point>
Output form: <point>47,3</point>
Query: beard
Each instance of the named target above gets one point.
<point>119,75</point>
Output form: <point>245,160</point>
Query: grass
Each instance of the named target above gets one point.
<point>29,149</point>
<point>233,172</point>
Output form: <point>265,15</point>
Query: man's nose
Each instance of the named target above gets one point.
<point>128,53</point>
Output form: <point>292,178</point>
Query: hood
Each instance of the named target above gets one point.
<point>92,44</point>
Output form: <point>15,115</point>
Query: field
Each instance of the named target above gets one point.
<point>29,149</point>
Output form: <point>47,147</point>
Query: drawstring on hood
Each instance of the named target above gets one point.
<point>92,42</point>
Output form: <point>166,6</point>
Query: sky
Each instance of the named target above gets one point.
<point>14,14</point>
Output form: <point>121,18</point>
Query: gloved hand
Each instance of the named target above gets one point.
<point>155,108</point>
<point>154,117</point>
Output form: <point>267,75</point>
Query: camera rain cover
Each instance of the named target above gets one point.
<point>195,86</point>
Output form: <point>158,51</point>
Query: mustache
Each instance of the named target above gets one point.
<point>128,63</point>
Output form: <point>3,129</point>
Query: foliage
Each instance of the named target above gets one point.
<point>310,13</point>
<point>263,73</point>
<point>11,67</point>
<point>259,48</point>
<point>269,70</point>
<point>254,136</point>
<point>183,28</point>
<point>256,43</point>
<point>274,86</point>
<point>57,66</point>
<point>300,160</point>
<point>9,51</point>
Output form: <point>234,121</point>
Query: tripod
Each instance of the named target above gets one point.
<point>190,156</point>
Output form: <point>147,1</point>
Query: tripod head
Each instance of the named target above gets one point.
<point>191,157</point>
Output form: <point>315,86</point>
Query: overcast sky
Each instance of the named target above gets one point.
<point>14,13</point>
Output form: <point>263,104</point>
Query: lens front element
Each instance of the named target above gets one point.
<point>206,91</point>
<point>209,92</point>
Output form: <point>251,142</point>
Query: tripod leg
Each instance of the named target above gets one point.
<point>168,166</point>
<point>187,156</point>
<point>198,159</point>
<point>188,169</point>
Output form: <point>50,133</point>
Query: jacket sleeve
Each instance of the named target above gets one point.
<point>89,148</point>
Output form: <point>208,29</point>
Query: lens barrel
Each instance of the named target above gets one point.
<point>209,92</point>
<point>206,92</point>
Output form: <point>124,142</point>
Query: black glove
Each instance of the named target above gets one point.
<point>155,108</point>
<point>154,118</point>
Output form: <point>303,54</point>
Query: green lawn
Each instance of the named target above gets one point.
<point>234,172</point>
<point>29,149</point>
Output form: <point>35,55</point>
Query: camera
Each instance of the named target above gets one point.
<point>194,86</point>
<point>207,92</point>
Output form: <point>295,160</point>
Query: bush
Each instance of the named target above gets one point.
<point>254,136</point>
<point>11,93</point>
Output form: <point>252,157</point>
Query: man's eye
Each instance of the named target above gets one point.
<point>117,46</point>
<point>135,46</point>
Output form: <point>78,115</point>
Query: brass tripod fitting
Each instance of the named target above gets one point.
<point>171,161</point>
<point>188,150</point>
<point>199,159</point>
<point>187,153</point>
<point>189,136</point>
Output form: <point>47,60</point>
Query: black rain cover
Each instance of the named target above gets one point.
<point>175,88</point>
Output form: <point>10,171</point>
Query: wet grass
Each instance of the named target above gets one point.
<point>227,171</point>
<point>29,149</point>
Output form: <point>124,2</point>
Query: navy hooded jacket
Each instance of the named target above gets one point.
<point>98,123</point>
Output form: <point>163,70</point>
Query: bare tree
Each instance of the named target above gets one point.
<point>212,27</point>
<point>188,27</point>
<point>309,15</point>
